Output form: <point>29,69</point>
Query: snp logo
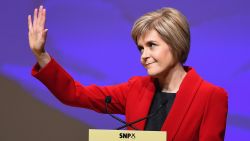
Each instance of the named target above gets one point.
<point>127,135</point>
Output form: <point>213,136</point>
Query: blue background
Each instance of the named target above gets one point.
<point>92,41</point>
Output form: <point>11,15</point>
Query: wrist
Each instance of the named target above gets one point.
<point>43,59</point>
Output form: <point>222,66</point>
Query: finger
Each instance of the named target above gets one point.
<point>30,24</point>
<point>43,19</point>
<point>40,15</point>
<point>35,18</point>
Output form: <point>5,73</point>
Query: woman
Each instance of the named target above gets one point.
<point>177,98</point>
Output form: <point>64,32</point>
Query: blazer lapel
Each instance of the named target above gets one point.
<point>183,100</point>
<point>145,102</point>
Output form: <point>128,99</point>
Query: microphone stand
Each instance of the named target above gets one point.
<point>107,101</point>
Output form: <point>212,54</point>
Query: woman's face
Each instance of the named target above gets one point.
<point>156,55</point>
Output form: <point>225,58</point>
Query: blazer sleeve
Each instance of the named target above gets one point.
<point>73,93</point>
<point>214,120</point>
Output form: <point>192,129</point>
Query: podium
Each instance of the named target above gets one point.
<point>126,135</point>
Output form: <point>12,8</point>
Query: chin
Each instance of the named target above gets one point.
<point>153,74</point>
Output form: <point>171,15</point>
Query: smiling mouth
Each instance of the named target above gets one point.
<point>149,64</point>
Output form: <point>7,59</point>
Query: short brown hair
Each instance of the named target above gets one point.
<point>171,25</point>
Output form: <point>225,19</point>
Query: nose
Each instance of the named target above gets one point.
<point>145,54</point>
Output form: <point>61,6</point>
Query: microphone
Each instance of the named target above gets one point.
<point>144,118</point>
<point>107,101</point>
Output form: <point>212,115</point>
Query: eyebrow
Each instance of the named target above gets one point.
<point>148,43</point>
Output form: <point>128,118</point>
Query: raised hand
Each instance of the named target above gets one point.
<point>37,35</point>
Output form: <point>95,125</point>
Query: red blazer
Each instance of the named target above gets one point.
<point>198,113</point>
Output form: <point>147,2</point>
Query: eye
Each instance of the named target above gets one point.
<point>140,49</point>
<point>151,45</point>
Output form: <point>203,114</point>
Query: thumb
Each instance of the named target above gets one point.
<point>45,33</point>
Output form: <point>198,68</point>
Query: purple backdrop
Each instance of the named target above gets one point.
<point>91,40</point>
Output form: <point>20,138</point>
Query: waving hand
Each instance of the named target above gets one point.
<point>37,35</point>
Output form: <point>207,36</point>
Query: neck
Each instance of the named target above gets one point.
<point>171,80</point>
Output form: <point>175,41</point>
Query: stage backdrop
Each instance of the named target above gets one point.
<point>92,41</point>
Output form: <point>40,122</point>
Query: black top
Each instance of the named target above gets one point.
<point>160,106</point>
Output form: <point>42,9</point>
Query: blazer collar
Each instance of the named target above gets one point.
<point>183,100</point>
